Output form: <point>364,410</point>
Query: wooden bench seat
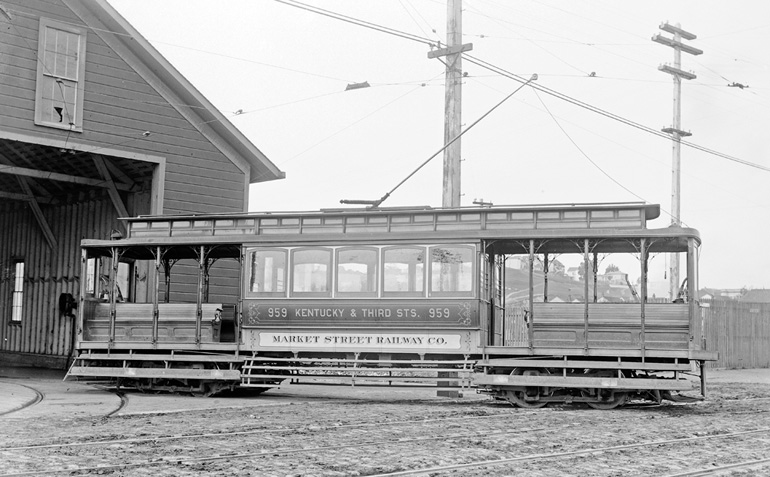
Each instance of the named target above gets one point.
<point>611,325</point>
<point>134,322</point>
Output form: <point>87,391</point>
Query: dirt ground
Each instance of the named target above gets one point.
<point>339,431</point>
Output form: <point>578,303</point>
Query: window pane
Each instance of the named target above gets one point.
<point>123,282</point>
<point>404,270</point>
<point>357,271</point>
<point>91,276</point>
<point>58,100</point>
<point>61,53</point>
<point>18,291</point>
<point>311,271</point>
<point>268,271</point>
<point>451,269</point>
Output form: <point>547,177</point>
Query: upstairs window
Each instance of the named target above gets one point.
<point>17,305</point>
<point>61,55</point>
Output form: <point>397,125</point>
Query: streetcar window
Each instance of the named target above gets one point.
<point>311,272</point>
<point>357,272</point>
<point>403,271</point>
<point>267,273</point>
<point>451,270</point>
<point>92,267</point>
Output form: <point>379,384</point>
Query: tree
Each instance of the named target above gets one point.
<point>582,270</point>
<point>611,268</point>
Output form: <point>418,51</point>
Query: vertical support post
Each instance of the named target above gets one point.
<point>545,278</point>
<point>199,298</point>
<point>501,292</point>
<point>643,298</point>
<point>156,288</point>
<point>239,303</point>
<point>79,321</point>
<point>530,328</point>
<point>113,293</point>
<point>595,267</point>
<point>693,310</point>
<point>587,267</point>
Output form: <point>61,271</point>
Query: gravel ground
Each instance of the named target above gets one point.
<point>321,431</point>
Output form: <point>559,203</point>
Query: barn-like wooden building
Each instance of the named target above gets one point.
<point>95,125</point>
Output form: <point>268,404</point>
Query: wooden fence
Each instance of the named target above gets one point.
<point>739,331</point>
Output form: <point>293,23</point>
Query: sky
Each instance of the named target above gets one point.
<point>279,73</point>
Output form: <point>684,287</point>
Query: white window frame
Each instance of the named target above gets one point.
<point>62,79</point>
<point>17,291</point>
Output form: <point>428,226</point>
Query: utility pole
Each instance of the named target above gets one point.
<point>452,101</point>
<point>675,130</point>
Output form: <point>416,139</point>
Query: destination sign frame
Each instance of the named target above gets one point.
<point>439,314</point>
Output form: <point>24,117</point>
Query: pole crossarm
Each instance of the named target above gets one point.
<point>452,50</point>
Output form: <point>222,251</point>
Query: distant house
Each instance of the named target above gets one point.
<point>756,296</point>
<point>726,294</point>
<point>521,262</point>
<point>573,273</point>
<point>95,125</point>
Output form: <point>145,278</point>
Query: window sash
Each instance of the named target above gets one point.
<point>17,306</point>
<point>60,71</point>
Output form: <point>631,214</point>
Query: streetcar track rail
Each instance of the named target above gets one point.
<point>140,440</point>
<point>39,397</point>
<point>493,462</point>
<point>171,460</point>
<point>181,460</point>
<point>712,469</point>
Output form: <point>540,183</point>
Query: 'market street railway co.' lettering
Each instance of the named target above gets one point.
<point>359,340</point>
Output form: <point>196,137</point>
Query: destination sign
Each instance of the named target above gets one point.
<point>259,313</point>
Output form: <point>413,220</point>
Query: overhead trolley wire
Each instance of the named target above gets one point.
<point>496,69</point>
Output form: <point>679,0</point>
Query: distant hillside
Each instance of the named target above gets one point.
<point>517,287</point>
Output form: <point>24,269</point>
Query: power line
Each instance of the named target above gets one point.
<point>508,74</point>
<point>608,114</point>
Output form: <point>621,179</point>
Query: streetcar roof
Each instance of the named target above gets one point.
<point>506,229</point>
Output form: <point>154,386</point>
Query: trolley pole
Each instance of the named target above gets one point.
<point>452,101</point>
<point>675,130</point>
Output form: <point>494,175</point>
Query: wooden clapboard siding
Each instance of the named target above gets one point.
<point>119,105</point>
<point>49,273</point>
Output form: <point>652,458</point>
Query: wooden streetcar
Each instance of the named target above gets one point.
<point>389,297</point>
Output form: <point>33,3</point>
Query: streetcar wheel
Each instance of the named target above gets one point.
<point>519,398</point>
<point>614,399</point>
<point>530,397</point>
